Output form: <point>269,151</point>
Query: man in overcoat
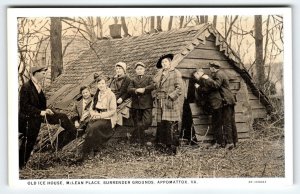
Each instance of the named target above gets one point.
<point>33,111</point>
<point>140,89</point>
<point>211,102</point>
<point>219,81</point>
<point>168,83</point>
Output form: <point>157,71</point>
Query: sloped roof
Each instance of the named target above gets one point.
<point>146,48</point>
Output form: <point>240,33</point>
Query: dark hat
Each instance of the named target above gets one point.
<point>38,68</point>
<point>158,64</point>
<point>139,64</point>
<point>215,64</point>
<point>96,75</point>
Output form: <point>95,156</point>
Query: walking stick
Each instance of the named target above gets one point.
<point>25,146</point>
<point>56,147</point>
<point>48,128</point>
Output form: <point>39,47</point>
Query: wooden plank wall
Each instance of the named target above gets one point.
<point>258,109</point>
<point>199,58</point>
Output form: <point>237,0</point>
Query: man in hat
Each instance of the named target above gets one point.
<point>33,111</point>
<point>211,102</point>
<point>220,82</point>
<point>168,82</point>
<point>140,89</point>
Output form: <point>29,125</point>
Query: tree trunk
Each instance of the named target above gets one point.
<point>181,19</point>
<point>260,70</point>
<point>158,23</point>
<point>202,19</point>
<point>170,23</point>
<point>142,29</point>
<point>124,26</point>
<point>267,40</point>
<point>89,26</point>
<point>56,48</point>
<point>215,21</point>
<point>206,19</point>
<point>99,27</point>
<point>152,20</point>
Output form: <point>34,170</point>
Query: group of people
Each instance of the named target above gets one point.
<point>97,116</point>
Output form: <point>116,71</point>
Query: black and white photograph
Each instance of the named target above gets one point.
<point>154,96</point>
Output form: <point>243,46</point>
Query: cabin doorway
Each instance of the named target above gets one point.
<point>187,131</point>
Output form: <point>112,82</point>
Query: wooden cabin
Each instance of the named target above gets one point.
<point>193,48</point>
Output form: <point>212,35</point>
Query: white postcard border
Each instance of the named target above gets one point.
<point>13,13</point>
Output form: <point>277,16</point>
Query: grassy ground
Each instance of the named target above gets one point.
<point>260,156</point>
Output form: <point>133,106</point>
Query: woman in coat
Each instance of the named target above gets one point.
<point>103,118</point>
<point>120,82</point>
<point>168,83</point>
<point>119,86</point>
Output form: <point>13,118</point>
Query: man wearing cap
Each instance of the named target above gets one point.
<point>220,82</point>
<point>140,89</point>
<point>168,82</point>
<point>33,111</point>
<point>211,102</point>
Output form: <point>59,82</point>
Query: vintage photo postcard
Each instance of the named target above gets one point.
<point>149,97</point>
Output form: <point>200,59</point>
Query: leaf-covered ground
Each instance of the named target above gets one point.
<point>260,156</point>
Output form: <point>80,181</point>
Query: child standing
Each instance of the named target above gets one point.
<point>140,89</point>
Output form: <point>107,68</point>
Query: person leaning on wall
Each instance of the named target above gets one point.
<point>140,89</point>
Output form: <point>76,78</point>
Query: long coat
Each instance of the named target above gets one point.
<point>210,97</point>
<point>168,90</point>
<point>31,105</point>
<point>219,81</point>
<point>145,100</point>
<point>119,86</point>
